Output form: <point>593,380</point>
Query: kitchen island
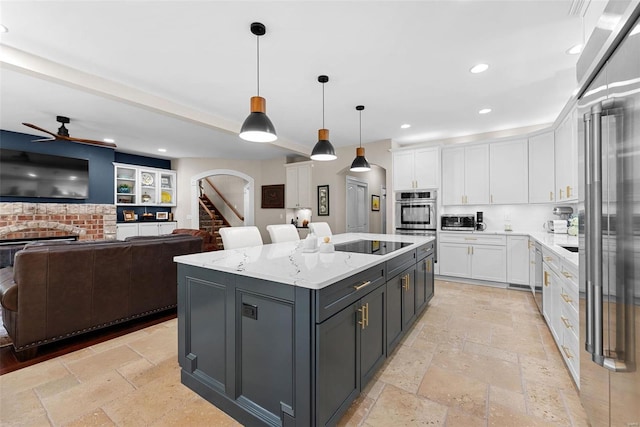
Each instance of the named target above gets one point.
<point>275,335</point>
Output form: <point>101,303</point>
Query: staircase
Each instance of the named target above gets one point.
<point>211,223</point>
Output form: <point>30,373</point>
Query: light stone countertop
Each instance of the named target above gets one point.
<point>551,241</point>
<point>287,262</point>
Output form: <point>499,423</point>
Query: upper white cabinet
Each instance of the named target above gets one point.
<point>139,185</point>
<point>298,186</point>
<point>465,175</point>
<point>542,168</point>
<point>508,172</point>
<point>566,158</point>
<point>416,169</point>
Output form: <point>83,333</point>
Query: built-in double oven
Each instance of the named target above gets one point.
<point>416,213</point>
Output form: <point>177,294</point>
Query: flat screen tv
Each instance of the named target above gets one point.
<point>25,174</point>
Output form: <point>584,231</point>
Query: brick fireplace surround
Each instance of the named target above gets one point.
<point>19,220</point>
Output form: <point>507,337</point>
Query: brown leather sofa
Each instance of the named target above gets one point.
<point>208,240</point>
<point>55,291</point>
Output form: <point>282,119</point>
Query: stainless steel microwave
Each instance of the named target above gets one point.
<point>458,222</point>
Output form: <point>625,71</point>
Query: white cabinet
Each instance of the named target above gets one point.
<point>126,230</point>
<point>144,229</point>
<point>518,260</point>
<point>561,307</point>
<point>542,168</point>
<point>138,185</point>
<point>508,172</point>
<point>473,256</point>
<point>566,158</point>
<point>465,175</point>
<point>416,169</point>
<point>298,186</point>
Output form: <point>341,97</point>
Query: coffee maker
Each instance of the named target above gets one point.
<point>480,225</point>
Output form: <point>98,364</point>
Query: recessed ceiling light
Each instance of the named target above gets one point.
<point>479,68</point>
<point>574,50</point>
<point>484,111</point>
<point>162,150</point>
<point>32,175</point>
<point>3,29</point>
<point>109,140</point>
<point>405,126</point>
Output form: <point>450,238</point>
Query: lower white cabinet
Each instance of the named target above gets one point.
<point>518,260</point>
<point>474,256</point>
<point>560,308</point>
<point>144,229</point>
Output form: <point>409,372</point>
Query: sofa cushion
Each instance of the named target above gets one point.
<point>8,289</point>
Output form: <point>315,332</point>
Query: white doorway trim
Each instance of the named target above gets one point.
<point>249,188</point>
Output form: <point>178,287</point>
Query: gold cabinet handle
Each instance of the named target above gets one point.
<point>560,191</point>
<point>363,317</point>
<point>358,287</point>
<point>405,282</point>
<point>548,258</point>
<point>532,262</point>
<point>551,196</point>
<point>471,250</point>
<point>366,319</point>
<point>567,275</point>
<point>568,191</point>
<point>470,238</point>
<point>427,265</point>
<point>546,278</point>
<point>567,352</point>
<point>566,298</point>
<point>566,322</point>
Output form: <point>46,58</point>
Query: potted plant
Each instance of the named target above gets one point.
<point>124,188</point>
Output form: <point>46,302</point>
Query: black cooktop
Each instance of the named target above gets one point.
<point>375,247</point>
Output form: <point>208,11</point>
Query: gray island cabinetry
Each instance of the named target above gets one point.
<point>275,336</point>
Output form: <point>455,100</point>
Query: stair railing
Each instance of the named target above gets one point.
<point>224,199</point>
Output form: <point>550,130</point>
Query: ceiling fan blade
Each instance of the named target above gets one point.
<point>87,141</point>
<point>43,140</point>
<point>40,129</point>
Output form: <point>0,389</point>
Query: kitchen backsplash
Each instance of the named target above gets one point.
<point>520,217</point>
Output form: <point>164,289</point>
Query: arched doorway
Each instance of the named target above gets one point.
<point>249,207</point>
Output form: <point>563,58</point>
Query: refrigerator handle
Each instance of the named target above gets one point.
<point>594,241</point>
<point>589,324</point>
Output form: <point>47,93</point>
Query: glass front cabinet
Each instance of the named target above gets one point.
<point>143,186</point>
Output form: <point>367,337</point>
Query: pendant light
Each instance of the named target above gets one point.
<point>323,150</point>
<point>257,127</point>
<point>360,163</point>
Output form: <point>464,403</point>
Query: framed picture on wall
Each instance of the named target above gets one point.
<point>323,200</point>
<point>272,196</point>
<point>129,215</point>
<point>375,202</point>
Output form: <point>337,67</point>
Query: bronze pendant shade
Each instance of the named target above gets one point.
<point>323,150</point>
<point>360,163</point>
<point>258,127</point>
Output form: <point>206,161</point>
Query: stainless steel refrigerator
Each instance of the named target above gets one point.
<point>609,211</point>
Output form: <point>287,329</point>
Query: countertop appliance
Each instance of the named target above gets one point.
<point>416,212</point>
<point>609,262</point>
<point>480,225</point>
<point>458,222</point>
<point>375,247</point>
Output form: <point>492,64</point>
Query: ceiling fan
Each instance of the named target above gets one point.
<point>63,134</point>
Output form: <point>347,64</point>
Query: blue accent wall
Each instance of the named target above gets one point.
<point>100,164</point>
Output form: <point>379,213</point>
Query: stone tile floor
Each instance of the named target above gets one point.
<point>478,356</point>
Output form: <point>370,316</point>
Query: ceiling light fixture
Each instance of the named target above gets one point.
<point>574,50</point>
<point>162,150</point>
<point>405,126</point>
<point>360,163</point>
<point>479,68</point>
<point>484,111</point>
<point>257,127</point>
<point>323,150</point>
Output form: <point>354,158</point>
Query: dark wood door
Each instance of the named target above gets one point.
<point>337,364</point>
<point>372,342</point>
